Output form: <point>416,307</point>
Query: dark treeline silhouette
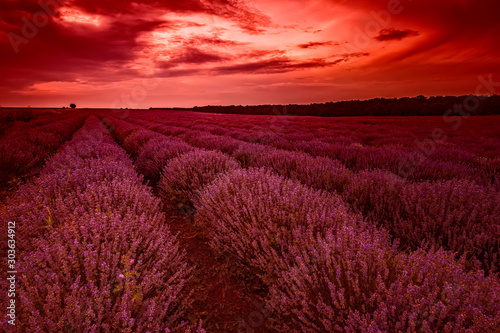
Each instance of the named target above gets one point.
<point>406,106</point>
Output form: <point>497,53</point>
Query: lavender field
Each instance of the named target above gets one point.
<point>170,221</point>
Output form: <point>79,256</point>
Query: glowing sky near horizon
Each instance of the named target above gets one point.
<point>167,53</point>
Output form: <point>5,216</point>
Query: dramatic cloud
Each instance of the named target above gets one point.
<point>313,45</point>
<point>394,34</point>
<point>243,52</point>
<point>192,56</point>
<point>275,66</point>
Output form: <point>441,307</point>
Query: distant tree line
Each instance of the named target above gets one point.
<point>405,106</point>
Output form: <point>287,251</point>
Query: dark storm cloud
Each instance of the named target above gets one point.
<point>394,34</point>
<point>191,56</point>
<point>313,45</point>
<point>56,53</point>
<point>284,64</point>
<point>36,47</point>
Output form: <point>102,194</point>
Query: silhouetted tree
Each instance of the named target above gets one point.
<point>72,105</point>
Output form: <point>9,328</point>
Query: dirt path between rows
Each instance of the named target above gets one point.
<point>225,298</point>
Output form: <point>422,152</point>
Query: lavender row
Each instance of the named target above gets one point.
<point>412,155</point>
<point>459,215</point>
<point>97,255</point>
<point>439,214</point>
<point>325,268</point>
<point>151,150</point>
<point>433,160</point>
<point>23,148</point>
<point>328,271</point>
<point>26,118</point>
<point>163,159</point>
<point>320,172</point>
<point>365,131</point>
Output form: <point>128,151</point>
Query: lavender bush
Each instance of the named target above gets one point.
<point>257,216</point>
<point>96,252</point>
<point>458,214</point>
<point>247,153</point>
<point>376,194</point>
<point>134,142</point>
<point>346,283</point>
<point>105,273</point>
<point>214,142</point>
<point>24,149</point>
<point>156,153</point>
<point>319,173</point>
<point>185,175</point>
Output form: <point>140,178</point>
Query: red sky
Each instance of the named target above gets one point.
<point>147,53</point>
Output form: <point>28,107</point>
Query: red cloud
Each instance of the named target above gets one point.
<point>282,65</point>
<point>313,45</point>
<point>191,56</point>
<point>460,37</point>
<point>394,34</point>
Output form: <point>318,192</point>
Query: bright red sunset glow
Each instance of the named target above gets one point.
<point>185,53</point>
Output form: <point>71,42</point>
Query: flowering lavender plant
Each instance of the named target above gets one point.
<point>185,175</point>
